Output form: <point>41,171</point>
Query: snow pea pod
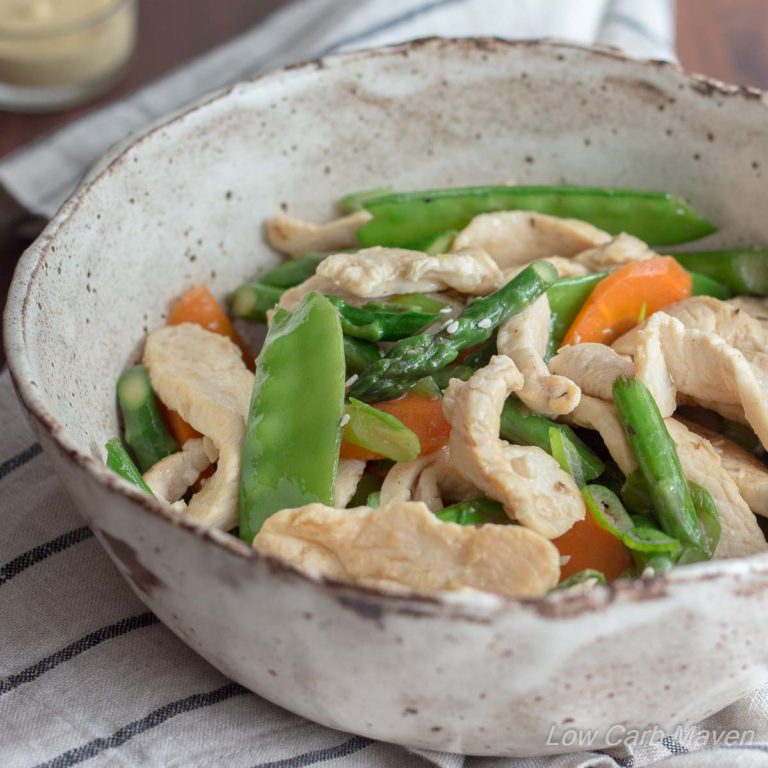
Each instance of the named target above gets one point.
<point>356,200</point>
<point>480,511</point>
<point>120,462</point>
<point>703,285</point>
<point>741,270</point>
<point>292,271</point>
<point>588,574</point>
<point>359,354</point>
<point>408,219</point>
<point>377,321</point>
<point>291,445</point>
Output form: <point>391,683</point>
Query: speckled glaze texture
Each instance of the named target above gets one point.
<point>184,203</point>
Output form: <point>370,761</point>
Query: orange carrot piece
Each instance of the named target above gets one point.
<point>632,292</point>
<point>422,415</point>
<point>589,545</point>
<point>179,428</point>
<point>198,305</point>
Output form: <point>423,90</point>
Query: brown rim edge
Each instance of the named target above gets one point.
<point>552,605</point>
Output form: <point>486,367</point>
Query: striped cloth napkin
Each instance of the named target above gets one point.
<point>87,675</point>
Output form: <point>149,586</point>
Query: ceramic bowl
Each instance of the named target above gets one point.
<point>185,202</point>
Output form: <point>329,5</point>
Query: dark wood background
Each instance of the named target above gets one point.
<point>727,39</point>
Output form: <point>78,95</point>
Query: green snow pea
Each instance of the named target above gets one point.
<point>410,219</point>
<point>741,270</point>
<point>118,460</point>
<point>291,445</point>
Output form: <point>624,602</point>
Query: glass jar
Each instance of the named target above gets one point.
<point>57,53</point>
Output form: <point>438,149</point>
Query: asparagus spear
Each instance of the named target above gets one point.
<point>145,430</point>
<point>359,354</point>
<point>251,301</point>
<point>422,355</point>
<point>659,463</point>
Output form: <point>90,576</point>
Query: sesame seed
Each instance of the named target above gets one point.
<point>564,560</point>
<point>445,311</point>
<point>648,572</point>
<point>351,380</point>
<point>484,323</point>
<point>344,420</point>
<point>452,327</point>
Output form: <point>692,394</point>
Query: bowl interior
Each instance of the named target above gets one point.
<point>186,202</point>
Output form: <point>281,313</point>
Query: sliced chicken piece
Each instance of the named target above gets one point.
<point>593,367</point>
<point>524,338</point>
<point>518,237</point>
<point>172,476</point>
<point>432,479</point>
<point>671,359</point>
<point>618,251</point>
<point>704,313</point>
<point>740,534</point>
<point>377,271</point>
<point>296,237</point>
<point>565,268</point>
<point>347,477</point>
<point>530,484</point>
<point>601,416</point>
<point>754,306</point>
<point>403,546</point>
<point>201,376</point>
<point>748,472</point>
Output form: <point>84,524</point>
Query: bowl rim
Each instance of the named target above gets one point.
<point>460,605</point>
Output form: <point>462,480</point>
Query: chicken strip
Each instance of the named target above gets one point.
<point>748,472</point>
<point>519,237</point>
<point>171,477</point>
<point>201,376</point>
<point>530,484</point>
<point>593,367</point>
<point>704,313</point>
<point>524,338</point>
<point>618,251</point>
<point>296,237</point>
<point>375,272</point>
<point>670,359</point>
<point>432,479</point>
<point>347,477</point>
<point>403,546</point>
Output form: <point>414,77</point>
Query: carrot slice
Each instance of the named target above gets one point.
<point>589,545</point>
<point>179,428</point>
<point>422,415</point>
<point>624,298</point>
<point>198,305</point>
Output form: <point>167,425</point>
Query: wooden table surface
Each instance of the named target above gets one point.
<point>727,39</point>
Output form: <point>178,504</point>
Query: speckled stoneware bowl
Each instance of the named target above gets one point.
<point>184,203</point>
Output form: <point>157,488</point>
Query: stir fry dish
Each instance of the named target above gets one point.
<point>504,389</point>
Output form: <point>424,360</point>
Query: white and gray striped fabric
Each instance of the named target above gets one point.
<point>87,675</point>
